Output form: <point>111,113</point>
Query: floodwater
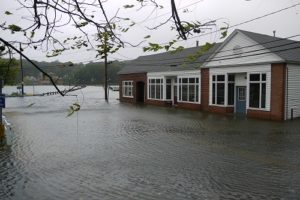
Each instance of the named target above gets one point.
<point>133,152</point>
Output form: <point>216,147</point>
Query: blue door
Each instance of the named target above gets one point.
<point>240,106</point>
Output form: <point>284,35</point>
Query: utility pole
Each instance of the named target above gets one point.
<point>22,72</point>
<point>105,66</point>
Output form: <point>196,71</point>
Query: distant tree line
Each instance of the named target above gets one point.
<point>69,73</point>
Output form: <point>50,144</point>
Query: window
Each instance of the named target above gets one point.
<point>189,89</point>
<point>155,86</point>
<point>257,97</point>
<point>168,89</point>
<point>218,89</point>
<point>230,83</point>
<point>127,88</point>
<point>242,94</point>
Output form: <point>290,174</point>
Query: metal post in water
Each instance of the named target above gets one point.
<point>1,124</point>
<point>22,73</point>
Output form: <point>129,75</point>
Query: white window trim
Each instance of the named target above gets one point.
<point>123,89</point>
<point>199,89</point>
<point>225,90</point>
<point>268,91</point>
<point>162,89</point>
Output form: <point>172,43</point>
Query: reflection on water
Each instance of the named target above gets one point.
<point>123,151</point>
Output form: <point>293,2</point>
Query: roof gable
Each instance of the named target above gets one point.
<point>240,49</point>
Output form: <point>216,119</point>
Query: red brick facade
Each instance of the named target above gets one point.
<point>142,77</point>
<point>205,89</point>
<point>278,80</point>
<point>220,109</point>
<point>190,106</point>
<point>278,84</point>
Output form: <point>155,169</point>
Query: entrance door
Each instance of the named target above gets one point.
<point>140,92</point>
<point>240,106</point>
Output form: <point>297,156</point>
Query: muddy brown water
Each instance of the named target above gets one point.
<point>122,151</point>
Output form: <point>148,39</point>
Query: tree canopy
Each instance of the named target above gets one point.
<point>93,27</point>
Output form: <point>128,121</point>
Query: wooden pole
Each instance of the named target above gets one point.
<point>105,67</point>
<point>22,72</point>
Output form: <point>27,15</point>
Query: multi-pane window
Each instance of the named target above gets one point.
<point>188,89</point>
<point>155,86</point>
<point>127,88</point>
<point>230,83</point>
<point>257,96</point>
<point>218,89</point>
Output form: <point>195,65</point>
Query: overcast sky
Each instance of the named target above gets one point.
<point>285,23</point>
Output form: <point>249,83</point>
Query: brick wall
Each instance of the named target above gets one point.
<point>259,114</point>
<point>278,81</point>
<point>158,102</point>
<point>141,77</point>
<point>190,106</point>
<point>220,109</point>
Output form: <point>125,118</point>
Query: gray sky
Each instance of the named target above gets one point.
<point>286,23</point>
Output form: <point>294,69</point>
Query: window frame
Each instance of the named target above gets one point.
<point>127,88</point>
<point>157,84</point>
<point>191,81</point>
<point>214,89</point>
<point>261,82</point>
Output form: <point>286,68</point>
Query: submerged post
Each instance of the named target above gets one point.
<point>2,105</point>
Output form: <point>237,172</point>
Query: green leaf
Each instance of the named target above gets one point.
<point>82,24</point>
<point>14,28</point>
<point>8,13</point>
<point>128,6</point>
<point>32,34</point>
<point>2,48</point>
<point>223,34</point>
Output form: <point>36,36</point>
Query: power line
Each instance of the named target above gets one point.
<point>243,47</point>
<point>248,21</point>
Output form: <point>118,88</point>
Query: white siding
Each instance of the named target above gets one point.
<point>293,91</point>
<point>249,69</point>
<point>241,79</point>
<point>241,40</point>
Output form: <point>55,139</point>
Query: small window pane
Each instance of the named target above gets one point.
<point>191,93</point>
<point>231,77</point>
<point>254,95</point>
<point>220,93</point>
<point>197,94</point>
<point>214,78</point>
<point>191,80</point>
<point>184,93</point>
<point>184,80</point>
<point>230,94</point>
<point>263,77</point>
<point>254,77</point>
<point>213,93</point>
<point>221,77</point>
<point>263,95</point>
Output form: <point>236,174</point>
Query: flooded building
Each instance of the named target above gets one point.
<point>248,74</point>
